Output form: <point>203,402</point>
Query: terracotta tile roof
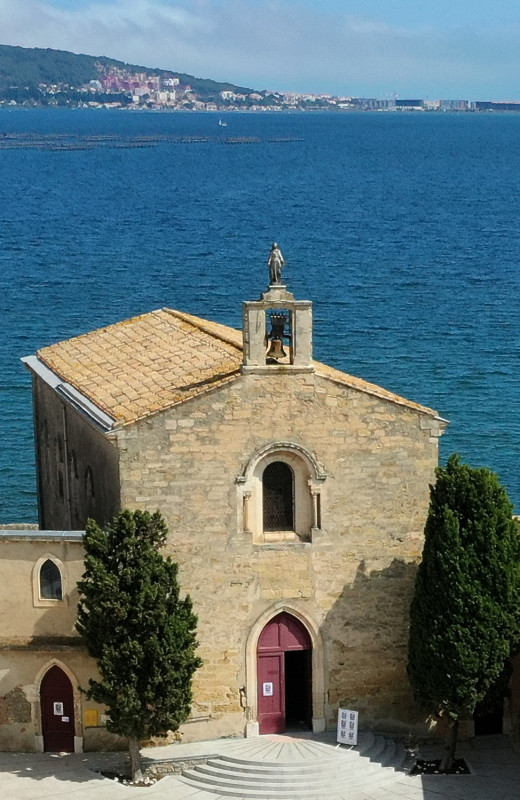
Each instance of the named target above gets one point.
<point>370,388</point>
<point>149,363</point>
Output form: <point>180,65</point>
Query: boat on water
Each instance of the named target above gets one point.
<point>222,124</point>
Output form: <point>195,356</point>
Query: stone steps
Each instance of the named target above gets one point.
<point>273,769</point>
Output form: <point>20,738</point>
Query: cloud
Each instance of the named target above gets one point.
<point>280,44</point>
<point>110,28</point>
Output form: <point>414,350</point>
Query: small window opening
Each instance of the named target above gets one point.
<point>50,581</point>
<point>73,464</point>
<point>278,497</point>
<point>59,450</point>
<point>45,433</point>
<point>89,482</point>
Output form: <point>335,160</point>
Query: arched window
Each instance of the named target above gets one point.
<point>74,491</point>
<point>44,433</point>
<point>73,464</point>
<point>278,497</point>
<point>50,581</point>
<point>89,483</point>
<point>59,449</point>
<point>279,494</point>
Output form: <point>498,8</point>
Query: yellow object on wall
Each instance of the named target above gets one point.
<point>91,718</point>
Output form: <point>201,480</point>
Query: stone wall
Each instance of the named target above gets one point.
<point>77,465</point>
<point>21,669</point>
<point>364,474</point>
<point>37,634</point>
<point>353,581</point>
<point>24,617</point>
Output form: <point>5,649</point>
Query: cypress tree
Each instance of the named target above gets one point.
<point>464,618</point>
<point>137,627</point>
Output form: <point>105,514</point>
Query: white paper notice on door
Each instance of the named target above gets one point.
<point>58,709</point>
<point>267,689</point>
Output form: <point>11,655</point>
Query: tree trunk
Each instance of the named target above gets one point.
<point>450,743</point>
<point>136,773</point>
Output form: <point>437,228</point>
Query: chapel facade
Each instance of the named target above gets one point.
<point>295,495</point>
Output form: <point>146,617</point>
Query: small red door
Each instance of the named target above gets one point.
<point>283,634</point>
<point>57,704</point>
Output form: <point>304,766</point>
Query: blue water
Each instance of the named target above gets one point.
<point>402,228</point>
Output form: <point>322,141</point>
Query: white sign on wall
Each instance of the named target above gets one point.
<point>267,689</point>
<point>58,709</point>
<point>347,726</point>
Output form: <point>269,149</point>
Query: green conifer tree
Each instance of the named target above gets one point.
<point>139,630</point>
<point>464,618</point>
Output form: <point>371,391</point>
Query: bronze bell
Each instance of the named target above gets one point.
<point>276,350</point>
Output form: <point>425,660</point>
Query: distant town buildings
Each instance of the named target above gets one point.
<point>118,87</point>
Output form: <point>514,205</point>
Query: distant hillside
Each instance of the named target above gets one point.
<point>28,67</point>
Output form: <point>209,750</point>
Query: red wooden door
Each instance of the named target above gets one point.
<point>57,704</point>
<point>271,693</point>
<point>282,634</point>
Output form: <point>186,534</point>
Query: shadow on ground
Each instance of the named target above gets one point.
<point>69,767</point>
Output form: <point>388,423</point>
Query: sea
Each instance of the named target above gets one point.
<point>402,228</point>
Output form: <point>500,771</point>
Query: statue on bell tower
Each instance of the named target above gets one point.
<point>276,263</point>
<point>277,330</point>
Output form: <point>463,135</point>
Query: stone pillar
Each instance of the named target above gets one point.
<point>246,497</point>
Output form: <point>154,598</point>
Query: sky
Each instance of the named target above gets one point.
<point>432,49</point>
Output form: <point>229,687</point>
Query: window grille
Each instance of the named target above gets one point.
<point>50,581</point>
<point>278,499</point>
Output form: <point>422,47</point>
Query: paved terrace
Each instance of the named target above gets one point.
<point>297,762</point>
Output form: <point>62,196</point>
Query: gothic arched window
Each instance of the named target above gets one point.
<point>73,464</point>
<point>50,581</point>
<point>278,497</point>
<point>89,482</point>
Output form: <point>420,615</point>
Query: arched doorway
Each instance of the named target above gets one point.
<point>57,706</point>
<point>284,670</point>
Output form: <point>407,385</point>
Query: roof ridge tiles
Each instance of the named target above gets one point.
<point>165,357</point>
<point>215,329</point>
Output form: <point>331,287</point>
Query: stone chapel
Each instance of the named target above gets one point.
<point>295,496</point>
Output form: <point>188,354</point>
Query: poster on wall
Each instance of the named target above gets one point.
<point>267,689</point>
<point>347,726</point>
<point>58,709</point>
